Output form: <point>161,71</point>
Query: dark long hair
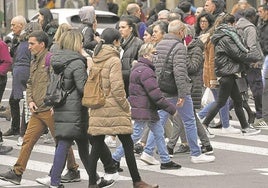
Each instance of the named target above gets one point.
<point>130,23</point>
<point>108,36</point>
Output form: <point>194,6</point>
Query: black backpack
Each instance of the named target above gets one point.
<point>56,94</point>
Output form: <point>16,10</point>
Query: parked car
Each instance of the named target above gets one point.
<point>71,16</point>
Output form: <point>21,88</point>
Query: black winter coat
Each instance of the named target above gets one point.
<point>71,119</point>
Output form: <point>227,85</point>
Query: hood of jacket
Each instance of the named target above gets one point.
<point>143,61</point>
<point>243,23</point>
<point>61,57</point>
<point>105,53</point>
<point>87,14</point>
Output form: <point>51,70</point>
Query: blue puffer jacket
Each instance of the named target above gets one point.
<point>145,96</point>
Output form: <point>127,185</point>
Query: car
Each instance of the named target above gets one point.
<point>105,19</point>
<point>71,16</point>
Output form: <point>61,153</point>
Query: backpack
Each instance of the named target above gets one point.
<point>94,96</point>
<point>56,94</point>
<point>166,79</point>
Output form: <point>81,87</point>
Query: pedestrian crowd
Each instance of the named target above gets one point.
<point>156,73</point>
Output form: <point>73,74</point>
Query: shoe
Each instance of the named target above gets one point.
<point>230,130</point>
<point>142,184</point>
<point>71,176</point>
<point>10,132</point>
<point>113,176</point>
<point>216,125</point>
<point>138,148</point>
<point>207,149</point>
<point>110,142</point>
<point>250,131</point>
<point>5,149</point>
<point>169,166</point>
<point>260,124</point>
<point>1,138</point>
<point>44,181</point>
<point>209,134</point>
<point>59,186</point>
<point>6,114</point>
<point>183,149</point>
<point>149,159</point>
<point>251,117</point>
<point>202,158</point>
<point>117,165</point>
<point>170,152</point>
<point>105,183</point>
<point>20,141</point>
<point>11,177</point>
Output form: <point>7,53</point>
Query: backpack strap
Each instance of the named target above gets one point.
<point>169,52</point>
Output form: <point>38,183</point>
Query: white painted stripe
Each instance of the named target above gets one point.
<point>24,183</point>
<point>45,167</point>
<point>240,148</point>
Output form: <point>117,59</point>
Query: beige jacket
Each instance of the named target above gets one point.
<point>114,117</point>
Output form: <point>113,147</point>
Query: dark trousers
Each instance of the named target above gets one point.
<point>3,83</point>
<point>228,88</point>
<point>98,149</point>
<point>15,113</point>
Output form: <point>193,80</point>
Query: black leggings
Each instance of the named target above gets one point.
<point>98,146</point>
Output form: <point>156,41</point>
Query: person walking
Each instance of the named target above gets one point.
<point>41,118</point>
<point>230,53</point>
<point>114,116</point>
<point>145,99</point>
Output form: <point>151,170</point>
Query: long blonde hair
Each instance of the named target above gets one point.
<point>62,28</point>
<point>71,40</point>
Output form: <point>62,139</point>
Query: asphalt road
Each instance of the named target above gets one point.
<point>241,161</point>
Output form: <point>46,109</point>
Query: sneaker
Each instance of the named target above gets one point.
<point>209,134</point>
<point>250,131</point>
<point>113,176</point>
<point>11,177</point>
<point>251,117</point>
<point>169,166</point>
<point>71,176</point>
<point>59,186</point>
<point>260,124</point>
<point>230,130</point>
<point>47,138</point>
<point>202,158</point>
<point>105,183</point>
<point>20,141</point>
<point>10,132</point>
<point>142,184</point>
<point>183,149</point>
<point>216,125</point>
<point>207,149</point>
<point>110,142</point>
<point>5,149</point>
<point>44,181</point>
<point>117,165</point>
<point>170,152</point>
<point>149,159</point>
<point>138,148</point>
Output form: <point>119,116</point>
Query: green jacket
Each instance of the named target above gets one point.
<point>38,81</point>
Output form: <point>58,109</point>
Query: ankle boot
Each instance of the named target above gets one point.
<point>142,184</point>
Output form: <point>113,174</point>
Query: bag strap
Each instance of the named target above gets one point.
<point>47,59</point>
<point>169,52</point>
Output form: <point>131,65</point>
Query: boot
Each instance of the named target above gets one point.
<point>6,114</point>
<point>142,184</point>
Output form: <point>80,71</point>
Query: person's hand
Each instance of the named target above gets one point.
<point>180,102</point>
<point>33,107</point>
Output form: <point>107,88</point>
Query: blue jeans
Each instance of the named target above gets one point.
<point>265,90</point>
<point>158,131</point>
<point>187,115</point>
<point>224,111</point>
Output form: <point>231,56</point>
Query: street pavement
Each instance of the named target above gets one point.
<point>241,161</point>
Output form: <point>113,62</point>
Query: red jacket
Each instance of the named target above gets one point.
<point>5,59</point>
